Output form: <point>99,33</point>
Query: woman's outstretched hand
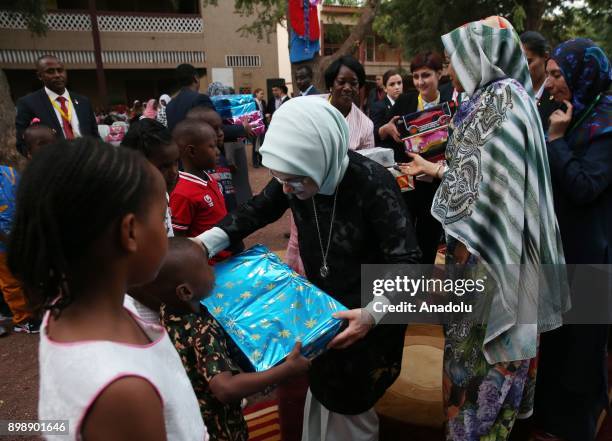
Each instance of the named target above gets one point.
<point>359,323</point>
<point>420,166</point>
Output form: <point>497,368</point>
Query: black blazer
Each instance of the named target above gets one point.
<point>37,105</point>
<point>263,107</point>
<point>187,99</point>
<point>380,115</point>
<point>271,104</point>
<point>313,91</point>
<point>546,106</point>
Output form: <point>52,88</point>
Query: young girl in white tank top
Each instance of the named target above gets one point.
<point>89,223</point>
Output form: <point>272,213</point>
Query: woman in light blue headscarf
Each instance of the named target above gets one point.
<point>348,211</point>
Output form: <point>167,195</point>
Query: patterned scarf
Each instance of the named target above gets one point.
<point>588,75</point>
<point>496,196</point>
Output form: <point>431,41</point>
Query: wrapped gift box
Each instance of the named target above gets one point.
<point>265,306</point>
<point>255,119</point>
<point>385,157</point>
<point>404,181</point>
<point>426,132</point>
<point>381,155</point>
<point>233,105</point>
<point>235,109</point>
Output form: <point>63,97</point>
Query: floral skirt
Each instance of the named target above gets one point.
<point>482,401</point>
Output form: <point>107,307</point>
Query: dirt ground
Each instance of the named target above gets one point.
<point>18,352</point>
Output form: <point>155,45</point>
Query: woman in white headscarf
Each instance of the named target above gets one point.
<point>161,109</point>
<point>348,211</point>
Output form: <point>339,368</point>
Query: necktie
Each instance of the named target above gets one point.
<point>65,123</point>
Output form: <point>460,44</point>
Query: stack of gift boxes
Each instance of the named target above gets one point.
<point>236,109</point>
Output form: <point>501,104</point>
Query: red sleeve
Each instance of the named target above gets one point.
<point>182,209</point>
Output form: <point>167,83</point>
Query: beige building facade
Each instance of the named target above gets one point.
<point>142,42</point>
<point>140,47</point>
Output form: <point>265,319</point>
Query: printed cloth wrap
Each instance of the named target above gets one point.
<point>265,307</point>
<point>496,196</point>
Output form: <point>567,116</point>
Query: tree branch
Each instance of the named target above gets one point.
<point>358,32</point>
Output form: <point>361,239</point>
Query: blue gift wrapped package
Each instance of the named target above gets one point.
<point>265,306</point>
<point>229,106</point>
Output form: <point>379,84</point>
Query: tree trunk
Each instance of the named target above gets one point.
<point>534,10</point>
<point>359,31</point>
<point>8,152</point>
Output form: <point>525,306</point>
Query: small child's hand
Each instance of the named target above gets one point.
<point>296,361</point>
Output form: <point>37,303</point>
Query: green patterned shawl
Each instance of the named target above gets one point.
<point>496,195</point>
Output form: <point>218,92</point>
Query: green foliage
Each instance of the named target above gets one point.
<point>336,33</point>
<point>593,20</point>
<point>266,15</point>
<point>342,2</point>
<point>518,16</point>
<point>418,24</point>
<point>33,10</point>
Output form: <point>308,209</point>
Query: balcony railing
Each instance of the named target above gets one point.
<point>109,22</point>
<point>109,58</point>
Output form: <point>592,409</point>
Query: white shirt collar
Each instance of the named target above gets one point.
<point>307,90</point>
<point>540,92</point>
<point>53,96</point>
<point>391,99</point>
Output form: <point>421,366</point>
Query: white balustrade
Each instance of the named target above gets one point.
<point>68,21</point>
<point>109,58</point>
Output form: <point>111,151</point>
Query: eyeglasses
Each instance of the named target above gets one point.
<point>296,184</point>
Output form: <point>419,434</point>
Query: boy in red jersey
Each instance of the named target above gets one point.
<point>197,201</point>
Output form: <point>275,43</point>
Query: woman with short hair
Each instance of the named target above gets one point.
<point>343,79</point>
<point>426,69</point>
<point>537,52</point>
<point>393,86</point>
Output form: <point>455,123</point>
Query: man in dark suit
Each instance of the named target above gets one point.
<point>279,96</point>
<point>376,94</point>
<point>69,114</point>
<point>303,80</point>
<point>190,97</point>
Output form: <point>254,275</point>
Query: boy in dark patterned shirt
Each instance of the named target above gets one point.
<point>208,354</point>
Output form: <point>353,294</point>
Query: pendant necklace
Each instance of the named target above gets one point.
<point>324,270</point>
